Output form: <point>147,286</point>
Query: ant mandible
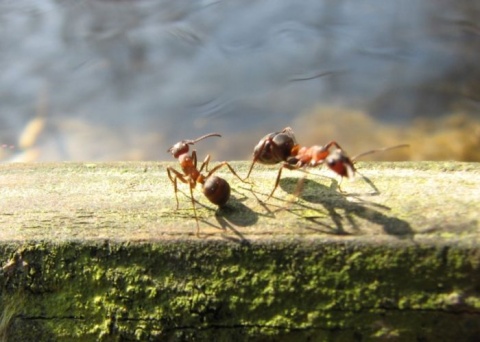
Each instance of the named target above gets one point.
<point>215,188</point>
<point>282,147</point>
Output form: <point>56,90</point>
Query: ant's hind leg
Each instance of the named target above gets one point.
<point>300,185</point>
<point>339,186</point>
<point>332,143</point>
<point>222,164</point>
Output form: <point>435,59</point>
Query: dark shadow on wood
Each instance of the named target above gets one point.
<point>235,214</point>
<point>333,202</point>
<point>269,213</point>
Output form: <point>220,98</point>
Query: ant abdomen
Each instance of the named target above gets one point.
<point>217,190</point>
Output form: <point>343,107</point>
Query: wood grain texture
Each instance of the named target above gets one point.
<point>135,202</point>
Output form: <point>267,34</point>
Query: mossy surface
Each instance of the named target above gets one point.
<point>223,291</point>
<point>97,252</point>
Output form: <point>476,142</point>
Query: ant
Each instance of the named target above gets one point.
<point>282,147</point>
<point>216,189</point>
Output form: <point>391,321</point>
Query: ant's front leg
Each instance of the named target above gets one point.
<point>173,178</point>
<point>205,161</point>
<point>277,181</point>
<point>256,156</point>
<point>205,164</point>
<point>184,179</point>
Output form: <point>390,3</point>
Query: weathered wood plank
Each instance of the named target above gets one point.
<point>135,201</point>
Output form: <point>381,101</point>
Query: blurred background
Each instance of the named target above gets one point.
<point>102,80</point>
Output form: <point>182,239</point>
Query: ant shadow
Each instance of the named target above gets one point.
<point>232,215</point>
<point>343,212</point>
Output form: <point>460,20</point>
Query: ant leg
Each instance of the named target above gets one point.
<point>277,181</point>
<point>222,164</point>
<point>284,166</point>
<point>300,184</point>
<point>205,165</point>
<point>173,179</point>
<point>256,156</point>
<point>339,185</point>
<point>250,169</point>
<point>194,211</point>
<point>194,158</point>
<point>333,143</point>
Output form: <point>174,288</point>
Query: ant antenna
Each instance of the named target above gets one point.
<point>379,150</point>
<point>191,142</point>
<point>182,146</point>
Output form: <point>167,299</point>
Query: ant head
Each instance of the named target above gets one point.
<point>275,147</point>
<point>340,163</point>
<point>180,148</point>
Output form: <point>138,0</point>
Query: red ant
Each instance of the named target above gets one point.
<point>216,189</point>
<point>282,147</point>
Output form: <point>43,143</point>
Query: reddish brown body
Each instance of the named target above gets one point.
<point>275,148</point>
<point>216,189</point>
<point>282,147</point>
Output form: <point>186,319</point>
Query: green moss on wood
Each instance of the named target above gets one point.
<point>209,290</point>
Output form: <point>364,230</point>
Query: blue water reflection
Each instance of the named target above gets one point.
<point>125,79</point>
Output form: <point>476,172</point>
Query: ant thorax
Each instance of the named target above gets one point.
<point>188,166</point>
<point>311,156</point>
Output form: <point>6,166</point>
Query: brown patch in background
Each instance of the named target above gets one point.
<point>454,137</point>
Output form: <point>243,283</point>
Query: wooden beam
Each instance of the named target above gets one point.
<point>135,201</point>
<point>97,251</point>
